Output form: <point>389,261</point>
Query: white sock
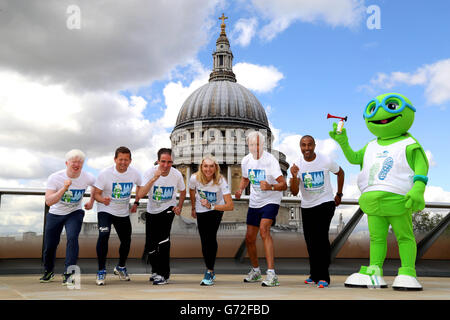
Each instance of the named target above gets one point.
<point>271,271</point>
<point>256,269</point>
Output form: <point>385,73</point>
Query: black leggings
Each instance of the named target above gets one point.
<point>316,224</point>
<point>208,224</point>
<point>157,241</point>
<point>123,228</point>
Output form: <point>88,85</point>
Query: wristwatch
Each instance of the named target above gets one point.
<point>339,194</point>
<point>212,206</point>
<point>136,203</point>
<point>273,187</point>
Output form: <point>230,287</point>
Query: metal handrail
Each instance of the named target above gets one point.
<point>336,245</point>
<point>284,199</point>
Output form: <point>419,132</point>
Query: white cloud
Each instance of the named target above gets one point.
<point>269,110</point>
<point>128,44</point>
<point>282,13</point>
<point>430,158</point>
<point>24,164</point>
<point>436,194</point>
<point>434,77</point>
<point>351,190</point>
<point>175,93</point>
<point>257,78</point>
<point>21,214</point>
<point>243,32</point>
<point>39,127</point>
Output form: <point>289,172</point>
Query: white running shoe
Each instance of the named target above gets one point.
<point>101,276</point>
<point>271,280</point>
<point>253,276</point>
<point>122,273</point>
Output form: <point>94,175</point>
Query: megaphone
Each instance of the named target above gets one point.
<point>340,124</point>
<point>331,116</point>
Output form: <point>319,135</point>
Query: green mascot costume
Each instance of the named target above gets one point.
<point>392,181</point>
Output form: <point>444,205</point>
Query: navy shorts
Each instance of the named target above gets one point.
<point>269,211</point>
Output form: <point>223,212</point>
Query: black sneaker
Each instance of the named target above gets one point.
<point>153,276</point>
<point>67,279</point>
<point>47,277</point>
<point>159,280</point>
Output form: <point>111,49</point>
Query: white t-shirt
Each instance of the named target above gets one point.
<point>315,186</point>
<point>163,193</point>
<point>118,186</point>
<point>212,192</point>
<point>72,199</point>
<point>265,168</point>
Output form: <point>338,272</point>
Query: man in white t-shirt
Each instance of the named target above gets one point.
<point>310,175</point>
<point>161,183</point>
<point>64,196</point>
<point>267,183</point>
<point>112,191</point>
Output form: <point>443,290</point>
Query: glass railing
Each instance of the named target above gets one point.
<point>22,214</point>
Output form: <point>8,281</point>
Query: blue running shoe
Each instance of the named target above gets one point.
<point>208,279</point>
<point>122,273</point>
<point>322,284</point>
<point>101,276</point>
<point>309,281</point>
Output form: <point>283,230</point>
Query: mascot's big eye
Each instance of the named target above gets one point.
<point>371,108</point>
<point>392,106</point>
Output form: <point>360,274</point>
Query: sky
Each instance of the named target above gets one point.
<point>95,75</point>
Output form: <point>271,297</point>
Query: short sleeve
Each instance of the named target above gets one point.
<point>138,179</point>
<point>147,176</point>
<point>244,168</point>
<point>51,183</point>
<point>333,166</point>
<point>275,168</point>
<point>99,182</point>
<point>90,180</point>
<point>224,187</point>
<point>193,182</point>
<point>180,185</point>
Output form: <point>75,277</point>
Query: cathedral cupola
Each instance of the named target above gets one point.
<point>222,57</point>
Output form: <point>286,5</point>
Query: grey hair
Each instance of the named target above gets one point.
<point>75,153</point>
<point>252,135</point>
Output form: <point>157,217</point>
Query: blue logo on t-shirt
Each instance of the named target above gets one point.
<point>73,195</point>
<point>210,196</point>
<point>256,175</point>
<point>162,193</point>
<point>313,180</point>
<point>121,190</point>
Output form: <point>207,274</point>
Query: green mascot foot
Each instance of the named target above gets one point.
<point>368,277</point>
<point>406,283</point>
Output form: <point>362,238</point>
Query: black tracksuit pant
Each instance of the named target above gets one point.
<point>157,241</point>
<point>123,229</point>
<point>316,225</point>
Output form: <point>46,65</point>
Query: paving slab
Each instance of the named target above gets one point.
<point>227,287</point>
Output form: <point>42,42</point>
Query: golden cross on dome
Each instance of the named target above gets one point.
<point>223,18</point>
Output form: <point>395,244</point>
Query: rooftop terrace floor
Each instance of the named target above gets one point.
<point>227,287</point>
<point>19,280</point>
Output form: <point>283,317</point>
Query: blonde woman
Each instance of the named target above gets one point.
<point>210,197</point>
